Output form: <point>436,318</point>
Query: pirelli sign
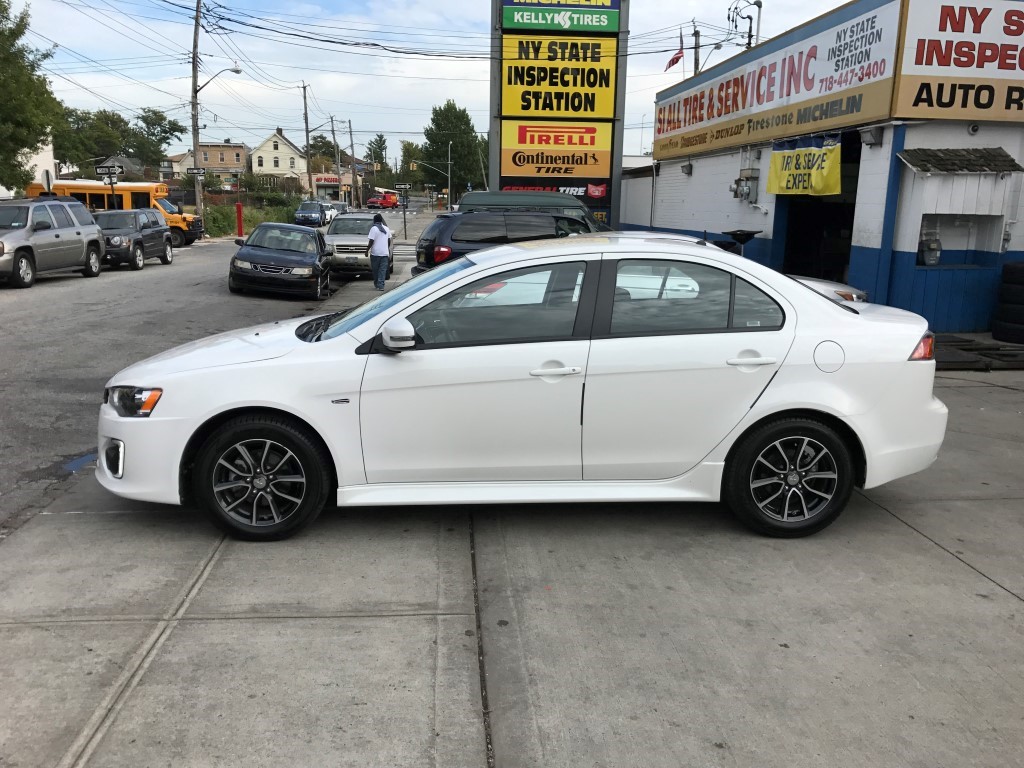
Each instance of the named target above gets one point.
<point>559,75</point>
<point>551,148</point>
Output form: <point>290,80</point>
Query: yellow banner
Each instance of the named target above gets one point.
<point>808,166</point>
<point>545,77</point>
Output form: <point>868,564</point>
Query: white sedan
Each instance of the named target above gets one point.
<point>599,368</point>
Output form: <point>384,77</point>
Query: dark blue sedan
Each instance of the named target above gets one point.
<point>282,258</point>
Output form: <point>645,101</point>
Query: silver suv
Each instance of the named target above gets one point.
<point>47,234</point>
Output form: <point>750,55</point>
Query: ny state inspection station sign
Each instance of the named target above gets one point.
<point>564,16</point>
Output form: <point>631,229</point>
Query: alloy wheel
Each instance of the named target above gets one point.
<point>25,269</point>
<point>793,479</point>
<point>259,482</point>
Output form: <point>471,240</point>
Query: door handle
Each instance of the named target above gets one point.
<point>570,371</point>
<point>750,361</point>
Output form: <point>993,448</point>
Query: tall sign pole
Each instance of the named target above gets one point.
<point>337,157</point>
<point>309,168</point>
<point>195,109</point>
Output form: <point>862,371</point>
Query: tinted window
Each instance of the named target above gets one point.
<point>529,227</point>
<point>350,225</point>
<point>282,240</point>
<point>430,233</point>
<point>569,225</point>
<point>39,214</point>
<point>112,220</point>
<point>753,308</point>
<point>82,216</point>
<point>155,218</point>
<point>480,229</point>
<point>140,199</point>
<point>524,305</point>
<point>309,207</point>
<point>669,297</point>
<point>60,215</point>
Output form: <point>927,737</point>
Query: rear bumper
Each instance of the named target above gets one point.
<point>913,447</point>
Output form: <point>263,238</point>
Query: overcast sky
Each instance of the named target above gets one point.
<point>129,54</point>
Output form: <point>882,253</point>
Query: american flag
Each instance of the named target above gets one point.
<point>678,55</point>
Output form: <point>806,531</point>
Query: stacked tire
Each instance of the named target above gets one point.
<point>1008,323</point>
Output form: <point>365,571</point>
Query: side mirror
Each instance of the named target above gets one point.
<point>239,241</point>
<point>180,209</point>
<point>398,334</point>
<point>41,225</point>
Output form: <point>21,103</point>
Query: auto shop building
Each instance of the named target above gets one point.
<point>880,144</point>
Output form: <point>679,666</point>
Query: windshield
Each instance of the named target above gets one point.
<point>13,216</point>
<point>282,240</point>
<point>167,205</point>
<point>350,226</point>
<point>385,301</point>
<point>115,220</point>
<point>309,207</point>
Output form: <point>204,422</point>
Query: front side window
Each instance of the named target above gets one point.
<point>40,216</point>
<point>656,296</point>
<point>524,305</point>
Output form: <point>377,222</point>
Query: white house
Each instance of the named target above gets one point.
<point>278,158</point>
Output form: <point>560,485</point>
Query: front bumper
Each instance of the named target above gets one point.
<point>256,281</point>
<point>149,457</point>
<point>117,254</point>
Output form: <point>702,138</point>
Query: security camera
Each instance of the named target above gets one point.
<point>973,129</point>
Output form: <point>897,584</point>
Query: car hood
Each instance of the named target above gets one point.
<point>277,258</point>
<point>346,239</point>
<point>247,345</point>
<point>119,231</point>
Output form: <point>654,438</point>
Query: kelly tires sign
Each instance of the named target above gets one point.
<point>593,16</point>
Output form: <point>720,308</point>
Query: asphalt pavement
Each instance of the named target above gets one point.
<point>550,635</point>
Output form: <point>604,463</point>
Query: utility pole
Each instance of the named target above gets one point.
<point>195,109</point>
<point>357,192</point>
<point>305,116</point>
<point>696,50</point>
<point>480,155</point>
<point>337,157</point>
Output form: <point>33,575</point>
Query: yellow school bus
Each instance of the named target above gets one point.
<point>185,227</point>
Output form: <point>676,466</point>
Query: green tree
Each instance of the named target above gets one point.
<point>150,134</point>
<point>322,163</point>
<point>30,108</point>
<point>320,145</point>
<point>451,123</point>
<point>411,153</point>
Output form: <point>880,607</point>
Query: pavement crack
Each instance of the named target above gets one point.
<point>484,703</point>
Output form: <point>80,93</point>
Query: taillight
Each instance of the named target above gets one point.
<point>441,252</point>
<point>925,349</point>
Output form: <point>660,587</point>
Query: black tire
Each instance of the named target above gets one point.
<point>1013,273</point>
<point>802,505</point>
<point>138,257</point>
<point>92,262</point>
<point>250,498</point>
<point>1010,313</point>
<point>323,288</point>
<point>391,269</point>
<point>23,273</point>
<point>1011,332</point>
<point>233,288</point>
<point>1011,294</point>
<point>168,255</point>
<point>177,238</point>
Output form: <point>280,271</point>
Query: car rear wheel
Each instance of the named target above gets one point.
<point>261,478</point>
<point>138,257</point>
<point>92,262</point>
<point>24,273</point>
<point>789,478</point>
<point>168,255</point>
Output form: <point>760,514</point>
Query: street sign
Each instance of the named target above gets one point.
<point>403,186</point>
<point>48,180</point>
<point>109,170</point>
<point>195,171</point>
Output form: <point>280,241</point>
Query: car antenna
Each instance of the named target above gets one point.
<point>703,240</point>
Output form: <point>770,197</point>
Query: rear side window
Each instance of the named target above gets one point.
<point>533,227</point>
<point>430,233</point>
<point>753,308</point>
<point>60,215</point>
<point>81,214</point>
<point>480,229</point>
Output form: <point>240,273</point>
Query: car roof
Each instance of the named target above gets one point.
<point>280,225</point>
<point>41,199</point>
<point>520,198</point>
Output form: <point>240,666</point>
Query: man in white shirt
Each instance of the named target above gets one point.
<point>378,248</point>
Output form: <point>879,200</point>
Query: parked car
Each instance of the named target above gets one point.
<point>47,234</point>
<point>329,211</point>
<point>311,213</point>
<point>383,200</point>
<point>346,239</point>
<point>451,235</point>
<point>549,202</point>
<point>131,237</point>
<point>282,258</point>
<point>340,206</point>
<point>745,387</point>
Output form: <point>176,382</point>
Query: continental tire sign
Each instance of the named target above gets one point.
<point>550,148</point>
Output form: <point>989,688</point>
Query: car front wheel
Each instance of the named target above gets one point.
<point>138,257</point>
<point>262,478</point>
<point>24,273</point>
<point>789,478</point>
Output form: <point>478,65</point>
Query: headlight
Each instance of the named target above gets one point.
<point>132,401</point>
<point>115,240</point>
<point>302,271</point>
<point>242,264</point>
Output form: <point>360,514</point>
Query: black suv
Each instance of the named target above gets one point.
<point>452,235</point>
<point>133,236</point>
